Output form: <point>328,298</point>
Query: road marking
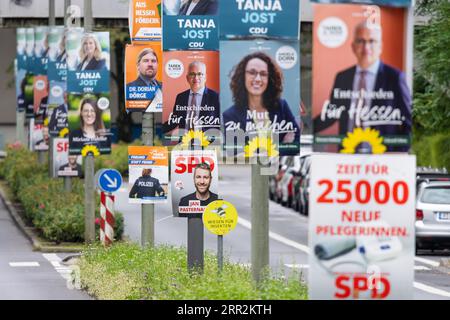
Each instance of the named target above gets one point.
<point>297,266</point>
<point>24,264</point>
<point>275,236</point>
<point>55,261</point>
<point>427,261</point>
<point>421,268</point>
<point>431,290</point>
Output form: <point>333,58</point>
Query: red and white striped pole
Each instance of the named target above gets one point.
<point>107,218</point>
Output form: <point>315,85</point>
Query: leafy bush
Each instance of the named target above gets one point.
<point>126,271</point>
<point>57,215</point>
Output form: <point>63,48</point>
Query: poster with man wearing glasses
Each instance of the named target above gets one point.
<point>361,102</point>
<point>191,94</point>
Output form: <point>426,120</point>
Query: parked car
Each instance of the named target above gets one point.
<point>286,183</point>
<point>274,190</point>
<point>296,182</point>
<point>303,189</point>
<point>433,215</point>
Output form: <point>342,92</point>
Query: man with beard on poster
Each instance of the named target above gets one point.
<point>369,94</point>
<point>147,66</point>
<point>202,183</point>
<point>198,107</point>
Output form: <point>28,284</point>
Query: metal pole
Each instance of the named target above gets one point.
<point>52,13</point>
<point>67,180</point>
<point>20,127</point>
<point>89,189</point>
<point>260,222</point>
<point>148,210</point>
<point>220,253</point>
<point>195,244</point>
<point>51,22</point>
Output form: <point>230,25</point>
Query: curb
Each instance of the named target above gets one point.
<point>28,231</point>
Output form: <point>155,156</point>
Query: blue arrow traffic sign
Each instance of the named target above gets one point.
<point>109,180</point>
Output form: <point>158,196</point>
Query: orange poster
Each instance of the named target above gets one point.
<point>145,20</point>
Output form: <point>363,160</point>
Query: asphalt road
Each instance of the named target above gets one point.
<point>28,275</point>
<point>288,235</point>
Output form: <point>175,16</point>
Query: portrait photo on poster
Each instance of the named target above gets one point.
<point>260,93</point>
<point>362,102</point>
<point>88,61</point>
<point>89,120</point>
<point>143,77</point>
<point>63,164</point>
<point>191,94</point>
<point>149,174</point>
<point>194,180</point>
<point>191,7</point>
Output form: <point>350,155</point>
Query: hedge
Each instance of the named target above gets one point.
<point>55,213</point>
<point>127,271</point>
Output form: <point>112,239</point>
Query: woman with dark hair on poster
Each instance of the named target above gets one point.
<point>256,85</point>
<point>91,123</point>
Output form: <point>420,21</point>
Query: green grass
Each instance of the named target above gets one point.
<point>126,271</point>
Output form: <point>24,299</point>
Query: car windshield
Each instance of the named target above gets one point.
<point>438,195</point>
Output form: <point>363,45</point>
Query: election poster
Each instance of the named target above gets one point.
<point>21,70</point>
<point>88,61</point>
<point>40,96</point>
<point>361,100</point>
<point>255,18</point>
<point>195,181</point>
<point>361,227</point>
<point>89,121</point>
<point>39,137</point>
<point>145,21</point>
<point>386,3</point>
<point>149,174</point>
<point>260,97</point>
<point>57,77</point>
<point>63,164</point>
<point>191,94</point>
<point>41,49</point>
<point>143,77</point>
<point>189,25</point>
<point>27,86</point>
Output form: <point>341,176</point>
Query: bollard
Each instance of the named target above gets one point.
<point>107,219</point>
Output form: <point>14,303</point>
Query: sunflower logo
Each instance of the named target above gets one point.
<point>63,132</point>
<point>257,144</point>
<point>89,149</point>
<point>359,136</point>
<point>191,136</point>
<point>46,122</point>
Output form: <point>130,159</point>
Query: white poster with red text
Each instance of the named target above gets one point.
<point>361,229</point>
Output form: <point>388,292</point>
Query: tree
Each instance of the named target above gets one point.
<point>432,77</point>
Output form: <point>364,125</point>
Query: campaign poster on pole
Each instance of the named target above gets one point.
<point>195,181</point>
<point>89,120</point>
<point>361,101</point>
<point>63,164</point>
<point>57,78</point>
<point>260,93</point>
<point>39,137</point>
<point>89,116</point>
<point>149,174</point>
<point>250,18</point>
<point>191,94</point>
<point>386,3</point>
<point>21,69</point>
<point>191,26</point>
<point>145,21</point>
<point>143,77</point>
<point>41,49</point>
<point>28,83</point>
<point>40,95</point>
<point>361,226</point>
